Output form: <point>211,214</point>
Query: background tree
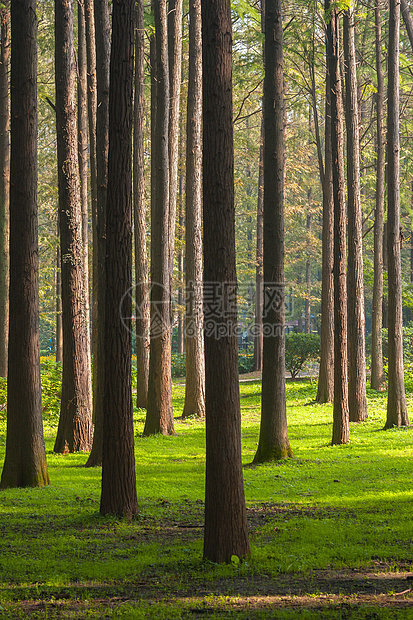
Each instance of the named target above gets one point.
<point>396,402</point>
<point>141,260</point>
<point>25,461</point>
<point>357,401</point>
<point>159,417</point>
<point>377,378</point>
<point>118,465</point>
<point>225,513</point>
<point>273,443</point>
<point>102,29</point>
<point>4,184</point>
<point>75,423</point>
<point>340,415</point>
<point>195,361</point>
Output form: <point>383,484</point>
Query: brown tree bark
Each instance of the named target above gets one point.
<point>25,461</point>
<point>75,423</point>
<point>396,400</point>
<point>273,442</point>
<point>325,388</point>
<point>59,326</point>
<point>357,399</point>
<point>159,417</point>
<point>195,360</point>
<point>102,29</point>
<point>92,113</point>
<point>341,433</point>
<point>4,185</point>
<point>226,532</point>
<point>142,313</point>
<point>259,276</point>
<point>83,148</point>
<point>118,466</point>
<point>175,71</point>
<point>378,379</point>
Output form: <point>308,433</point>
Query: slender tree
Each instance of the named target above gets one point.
<point>357,401</point>
<point>195,362</point>
<point>75,423</point>
<point>325,388</point>
<point>118,466</point>
<point>378,379</point>
<point>174,27</point>
<point>259,276</point>
<point>225,513</point>
<point>4,184</point>
<point>159,418</point>
<point>341,431</point>
<point>25,461</point>
<point>141,262</point>
<point>273,443</point>
<point>396,401</point>
<point>102,29</point>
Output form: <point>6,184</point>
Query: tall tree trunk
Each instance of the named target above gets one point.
<point>259,276</point>
<point>102,29</point>
<point>226,531</point>
<point>175,72</point>
<point>407,19</point>
<point>159,417</point>
<point>118,467</point>
<point>83,148</point>
<point>92,112</point>
<point>341,433</point>
<point>357,401</point>
<point>273,443</point>
<point>307,313</point>
<point>25,461</point>
<point>396,401</point>
<point>59,327</point>
<point>141,259</point>
<point>4,185</point>
<point>325,388</point>
<point>195,361</point>
<point>378,379</point>
<point>75,423</point>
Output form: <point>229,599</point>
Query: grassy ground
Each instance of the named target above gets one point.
<point>331,530</point>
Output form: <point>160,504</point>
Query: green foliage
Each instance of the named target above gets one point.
<point>299,349</point>
<point>245,361</point>
<point>178,365</point>
<point>51,388</point>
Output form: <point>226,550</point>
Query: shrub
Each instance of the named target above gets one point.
<point>245,361</point>
<point>299,349</point>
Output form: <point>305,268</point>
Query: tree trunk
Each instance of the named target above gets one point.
<point>396,401</point>
<point>408,20</point>
<point>259,276</point>
<point>325,389</point>
<point>175,71</point>
<point>25,461</point>
<point>75,423</point>
<point>92,112</point>
<point>341,433</point>
<point>307,313</point>
<point>83,148</point>
<point>118,467</point>
<point>378,379</point>
<point>195,361</point>
<point>59,327</point>
<point>273,443</point>
<point>226,532</point>
<point>102,141</point>
<point>141,260</point>
<point>357,401</point>
<point>4,185</point>
<point>159,417</point>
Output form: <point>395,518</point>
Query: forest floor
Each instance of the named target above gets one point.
<point>331,530</point>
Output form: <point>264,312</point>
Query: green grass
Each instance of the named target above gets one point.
<point>331,530</point>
